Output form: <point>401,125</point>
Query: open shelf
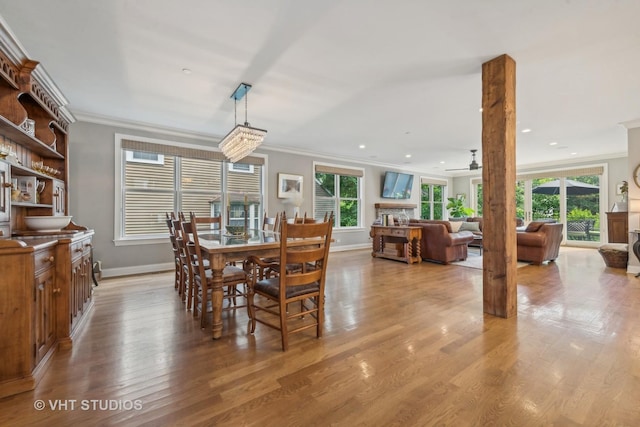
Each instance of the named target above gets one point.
<point>31,205</point>
<point>14,133</point>
<point>20,170</point>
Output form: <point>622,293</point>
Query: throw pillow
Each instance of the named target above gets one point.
<point>534,226</point>
<point>470,226</point>
<point>455,226</point>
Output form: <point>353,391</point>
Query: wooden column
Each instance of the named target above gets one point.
<point>498,186</point>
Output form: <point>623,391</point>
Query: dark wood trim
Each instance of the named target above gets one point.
<point>395,206</point>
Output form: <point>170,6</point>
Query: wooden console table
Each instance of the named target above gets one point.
<point>400,243</point>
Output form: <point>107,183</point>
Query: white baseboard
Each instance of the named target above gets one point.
<point>138,269</point>
<point>633,269</point>
<point>350,247</point>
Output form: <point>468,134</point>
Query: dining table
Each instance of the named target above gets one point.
<point>221,248</point>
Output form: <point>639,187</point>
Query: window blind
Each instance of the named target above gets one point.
<point>172,150</point>
<point>339,170</point>
<point>433,181</point>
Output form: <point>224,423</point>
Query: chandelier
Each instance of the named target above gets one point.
<point>242,139</point>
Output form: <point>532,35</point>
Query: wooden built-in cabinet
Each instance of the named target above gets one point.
<point>45,295</point>
<point>45,277</point>
<point>618,227</point>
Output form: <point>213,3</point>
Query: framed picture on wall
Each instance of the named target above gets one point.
<point>289,185</point>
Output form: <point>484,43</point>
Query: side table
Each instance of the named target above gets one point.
<point>408,236</point>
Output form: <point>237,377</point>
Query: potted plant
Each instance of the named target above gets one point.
<point>457,209</point>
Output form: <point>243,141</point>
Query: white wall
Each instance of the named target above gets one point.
<point>92,193</point>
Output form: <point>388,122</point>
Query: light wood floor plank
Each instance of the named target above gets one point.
<point>403,345</point>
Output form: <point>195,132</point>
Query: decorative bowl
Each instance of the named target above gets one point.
<point>46,223</point>
<point>235,230</point>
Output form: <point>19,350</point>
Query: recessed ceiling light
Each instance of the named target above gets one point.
<point>574,153</point>
<point>526,130</point>
<point>186,71</point>
<point>362,146</point>
<point>553,143</point>
<point>442,162</point>
<point>480,109</point>
<point>408,156</point>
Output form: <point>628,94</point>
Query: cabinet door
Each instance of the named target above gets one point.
<point>59,197</point>
<point>45,313</point>
<point>5,192</point>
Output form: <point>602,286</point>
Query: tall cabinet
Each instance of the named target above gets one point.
<point>46,289</point>
<point>618,227</point>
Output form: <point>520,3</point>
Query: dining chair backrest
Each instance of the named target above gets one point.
<point>271,223</point>
<point>315,255</point>
<point>213,222</point>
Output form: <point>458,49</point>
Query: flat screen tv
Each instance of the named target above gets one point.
<point>397,185</point>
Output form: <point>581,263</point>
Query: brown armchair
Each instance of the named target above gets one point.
<point>439,243</point>
<point>539,242</point>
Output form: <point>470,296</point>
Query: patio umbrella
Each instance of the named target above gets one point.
<point>574,188</point>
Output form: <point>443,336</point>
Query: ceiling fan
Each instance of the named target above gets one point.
<point>472,166</point>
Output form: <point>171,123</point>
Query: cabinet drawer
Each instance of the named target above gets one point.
<point>398,232</point>
<point>44,259</point>
<point>81,248</point>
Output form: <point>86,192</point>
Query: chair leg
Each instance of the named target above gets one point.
<point>283,326</point>
<point>251,310</point>
<point>203,307</point>
<point>320,317</point>
<point>178,273</point>
<point>190,293</point>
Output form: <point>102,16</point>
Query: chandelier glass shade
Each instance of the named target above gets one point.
<point>243,139</point>
<point>241,142</point>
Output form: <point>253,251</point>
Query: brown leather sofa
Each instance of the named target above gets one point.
<point>439,243</point>
<point>480,221</point>
<point>539,242</point>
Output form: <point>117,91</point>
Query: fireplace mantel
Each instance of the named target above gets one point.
<point>395,206</point>
<point>395,209</point>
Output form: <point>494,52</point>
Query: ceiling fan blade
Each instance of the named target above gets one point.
<point>459,169</point>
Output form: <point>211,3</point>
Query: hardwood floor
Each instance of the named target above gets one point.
<point>403,345</point>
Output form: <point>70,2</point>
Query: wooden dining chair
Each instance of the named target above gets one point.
<point>202,277</point>
<point>303,219</point>
<point>305,285</point>
<point>271,223</point>
<point>170,218</point>
<point>182,258</point>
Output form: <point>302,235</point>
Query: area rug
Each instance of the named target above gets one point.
<point>475,261</point>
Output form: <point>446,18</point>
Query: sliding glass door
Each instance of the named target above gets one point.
<point>573,197</point>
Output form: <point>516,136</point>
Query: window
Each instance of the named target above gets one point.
<point>240,167</point>
<point>155,177</point>
<point>432,199</point>
<point>142,157</point>
<point>574,197</point>
<point>337,190</point>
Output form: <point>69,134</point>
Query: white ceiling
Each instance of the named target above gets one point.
<point>401,77</point>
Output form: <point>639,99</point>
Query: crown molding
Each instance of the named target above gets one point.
<point>12,46</point>
<point>148,127</point>
<point>84,116</point>
<point>631,124</point>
